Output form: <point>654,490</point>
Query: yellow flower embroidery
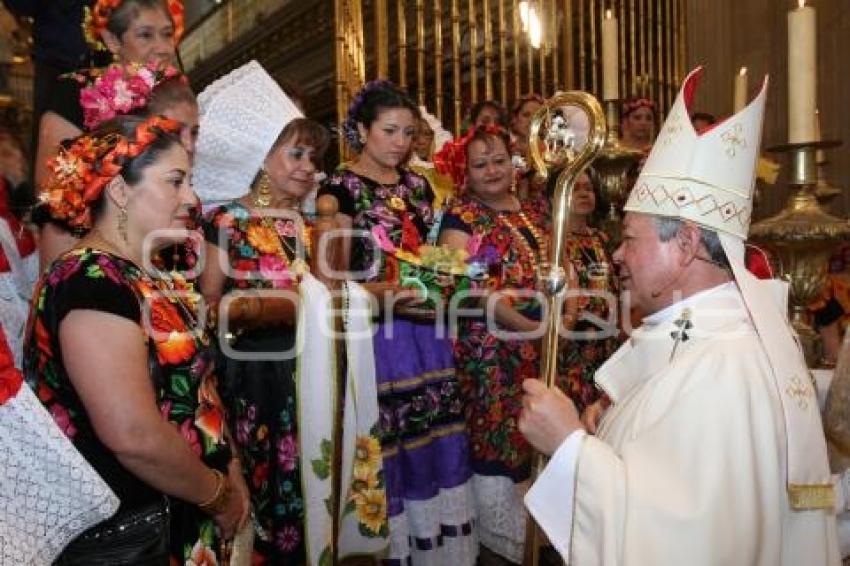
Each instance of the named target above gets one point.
<point>372,509</point>
<point>263,238</point>
<point>364,478</point>
<point>397,204</point>
<point>367,452</point>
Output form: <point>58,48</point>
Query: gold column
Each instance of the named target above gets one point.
<point>641,42</point>
<point>420,51</point>
<point>402,44</point>
<point>633,50</point>
<point>623,61</point>
<point>569,43</point>
<point>582,57</point>
<point>529,62</point>
<point>660,54</point>
<point>594,66</point>
<point>473,53</point>
<point>458,102</point>
<point>515,38</point>
<point>555,44</point>
<point>653,51</point>
<point>543,46</point>
<point>488,52</point>
<point>382,41</point>
<point>503,62</point>
<point>668,56</point>
<point>340,70</point>
<point>682,45</point>
<point>438,59</point>
<point>676,31</point>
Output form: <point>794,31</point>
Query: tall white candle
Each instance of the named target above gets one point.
<point>739,97</point>
<point>802,73</point>
<point>610,58</point>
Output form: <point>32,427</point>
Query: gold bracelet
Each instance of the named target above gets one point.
<point>217,502</point>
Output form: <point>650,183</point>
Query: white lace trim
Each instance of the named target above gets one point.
<point>14,304</point>
<point>453,508</point>
<point>501,515</point>
<point>49,494</point>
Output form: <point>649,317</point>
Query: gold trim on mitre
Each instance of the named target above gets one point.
<point>707,178</point>
<point>817,496</point>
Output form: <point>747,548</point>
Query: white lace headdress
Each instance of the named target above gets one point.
<point>242,114</point>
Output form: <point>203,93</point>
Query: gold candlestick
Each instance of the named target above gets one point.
<point>612,163</point>
<point>803,236</point>
<point>824,191</point>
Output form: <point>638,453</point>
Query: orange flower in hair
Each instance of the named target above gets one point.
<point>97,17</point>
<point>80,171</point>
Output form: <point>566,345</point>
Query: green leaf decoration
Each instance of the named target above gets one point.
<point>180,384</point>
<point>350,507</point>
<point>94,272</point>
<point>321,468</point>
<point>325,557</point>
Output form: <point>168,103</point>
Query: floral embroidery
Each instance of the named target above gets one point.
<point>491,371</point>
<point>184,383</point>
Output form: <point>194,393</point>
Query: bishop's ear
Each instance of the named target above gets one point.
<point>688,240</point>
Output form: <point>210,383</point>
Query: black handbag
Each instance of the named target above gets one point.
<point>138,537</point>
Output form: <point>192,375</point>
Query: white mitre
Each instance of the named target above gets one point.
<point>708,179</point>
<point>241,116</point>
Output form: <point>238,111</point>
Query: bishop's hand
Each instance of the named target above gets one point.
<point>548,416</point>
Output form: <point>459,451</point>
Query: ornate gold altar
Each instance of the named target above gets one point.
<point>450,54</point>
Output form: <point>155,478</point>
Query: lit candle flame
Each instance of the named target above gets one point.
<point>535,30</point>
<point>743,71</point>
<point>607,14</point>
<point>801,3</point>
<point>523,15</point>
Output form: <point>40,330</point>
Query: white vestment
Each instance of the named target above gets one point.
<point>689,463</point>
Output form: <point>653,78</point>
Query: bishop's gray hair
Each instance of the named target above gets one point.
<point>667,228</point>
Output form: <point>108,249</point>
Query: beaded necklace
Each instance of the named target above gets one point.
<point>542,254</point>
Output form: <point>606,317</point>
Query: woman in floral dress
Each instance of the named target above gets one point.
<point>423,437</point>
<point>595,331</point>
<point>116,354</point>
<point>261,393</point>
<point>508,238</point>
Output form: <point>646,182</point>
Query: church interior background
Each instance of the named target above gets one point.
<point>450,54</point>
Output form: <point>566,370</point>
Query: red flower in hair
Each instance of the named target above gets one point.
<point>78,173</point>
<point>451,159</point>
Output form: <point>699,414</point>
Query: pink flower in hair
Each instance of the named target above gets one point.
<point>120,89</point>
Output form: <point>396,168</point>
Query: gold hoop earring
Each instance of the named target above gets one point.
<point>263,198</point>
<point>122,223</point>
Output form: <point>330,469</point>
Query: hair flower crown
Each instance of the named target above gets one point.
<point>120,89</point>
<point>79,172</point>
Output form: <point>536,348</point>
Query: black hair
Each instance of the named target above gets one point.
<point>133,168</point>
<point>373,99</point>
<point>502,114</point>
